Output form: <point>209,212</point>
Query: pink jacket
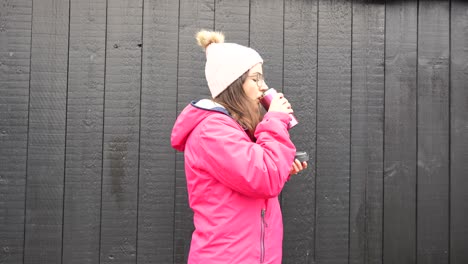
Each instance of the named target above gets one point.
<point>233,184</point>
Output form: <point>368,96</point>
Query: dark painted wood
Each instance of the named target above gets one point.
<point>400,149</point>
<point>458,132</point>
<point>191,85</point>
<point>232,18</point>
<point>47,125</point>
<point>367,123</point>
<point>379,88</point>
<point>433,133</point>
<point>121,132</point>
<point>333,131</point>
<point>83,164</point>
<point>266,37</point>
<point>158,113</point>
<point>300,87</point>
<point>15,43</point>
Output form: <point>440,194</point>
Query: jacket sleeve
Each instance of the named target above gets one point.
<point>256,169</point>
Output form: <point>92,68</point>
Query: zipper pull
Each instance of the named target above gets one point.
<point>263,218</point>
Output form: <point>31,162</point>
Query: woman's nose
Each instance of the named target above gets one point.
<point>264,87</point>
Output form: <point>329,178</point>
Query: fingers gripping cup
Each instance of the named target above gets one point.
<point>266,100</point>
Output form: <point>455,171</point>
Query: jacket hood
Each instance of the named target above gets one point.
<point>191,116</point>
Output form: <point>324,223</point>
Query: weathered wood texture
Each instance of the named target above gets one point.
<point>15,58</point>
<point>367,130</point>
<point>121,135</point>
<point>300,83</point>
<point>333,132</point>
<point>458,132</point>
<point>433,132</point>
<point>89,91</point>
<point>400,140</point>
<point>85,108</point>
<point>158,112</point>
<point>47,132</point>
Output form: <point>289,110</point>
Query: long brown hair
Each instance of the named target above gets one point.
<point>242,108</point>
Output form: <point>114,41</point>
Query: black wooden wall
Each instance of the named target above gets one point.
<point>90,89</point>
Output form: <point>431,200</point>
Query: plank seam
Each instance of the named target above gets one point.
<point>66,126</point>
<point>103,131</point>
<point>417,134</point>
<point>383,131</point>
<point>27,131</point>
<point>316,131</point>
<point>350,134</point>
<point>214,15</point>
<point>250,15</point>
<point>281,197</point>
<point>139,130</point>
<point>175,153</point>
<point>449,131</point>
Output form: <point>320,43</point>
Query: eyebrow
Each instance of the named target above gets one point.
<point>256,73</point>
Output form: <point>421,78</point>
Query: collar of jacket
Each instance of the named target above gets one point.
<point>210,105</point>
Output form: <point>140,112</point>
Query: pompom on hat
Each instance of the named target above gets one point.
<point>225,62</point>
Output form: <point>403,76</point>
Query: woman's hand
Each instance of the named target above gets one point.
<point>297,166</point>
<point>280,104</point>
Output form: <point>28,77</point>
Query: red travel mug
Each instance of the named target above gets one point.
<point>266,100</point>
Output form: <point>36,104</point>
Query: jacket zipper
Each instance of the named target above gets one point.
<point>262,237</point>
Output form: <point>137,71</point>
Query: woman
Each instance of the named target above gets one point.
<point>236,160</point>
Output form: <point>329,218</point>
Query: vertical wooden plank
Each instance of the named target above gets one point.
<point>333,131</point>
<point>459,132</point>
<point>433,133</point>
<point>400,132</point>
<point>158,112</point>
<point>300,86</point>
<point>121,132</point>
<point>266,37</point>
<point>191,85</point>
<point>366,204</point>
<point>47,125</point>
<point>232,18</point>
<point>82,208</point>
<point>15,41</point>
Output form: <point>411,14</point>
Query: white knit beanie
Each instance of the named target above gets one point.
<point>225,62</point>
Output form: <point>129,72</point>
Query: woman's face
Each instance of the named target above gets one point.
<point>255,85</point>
